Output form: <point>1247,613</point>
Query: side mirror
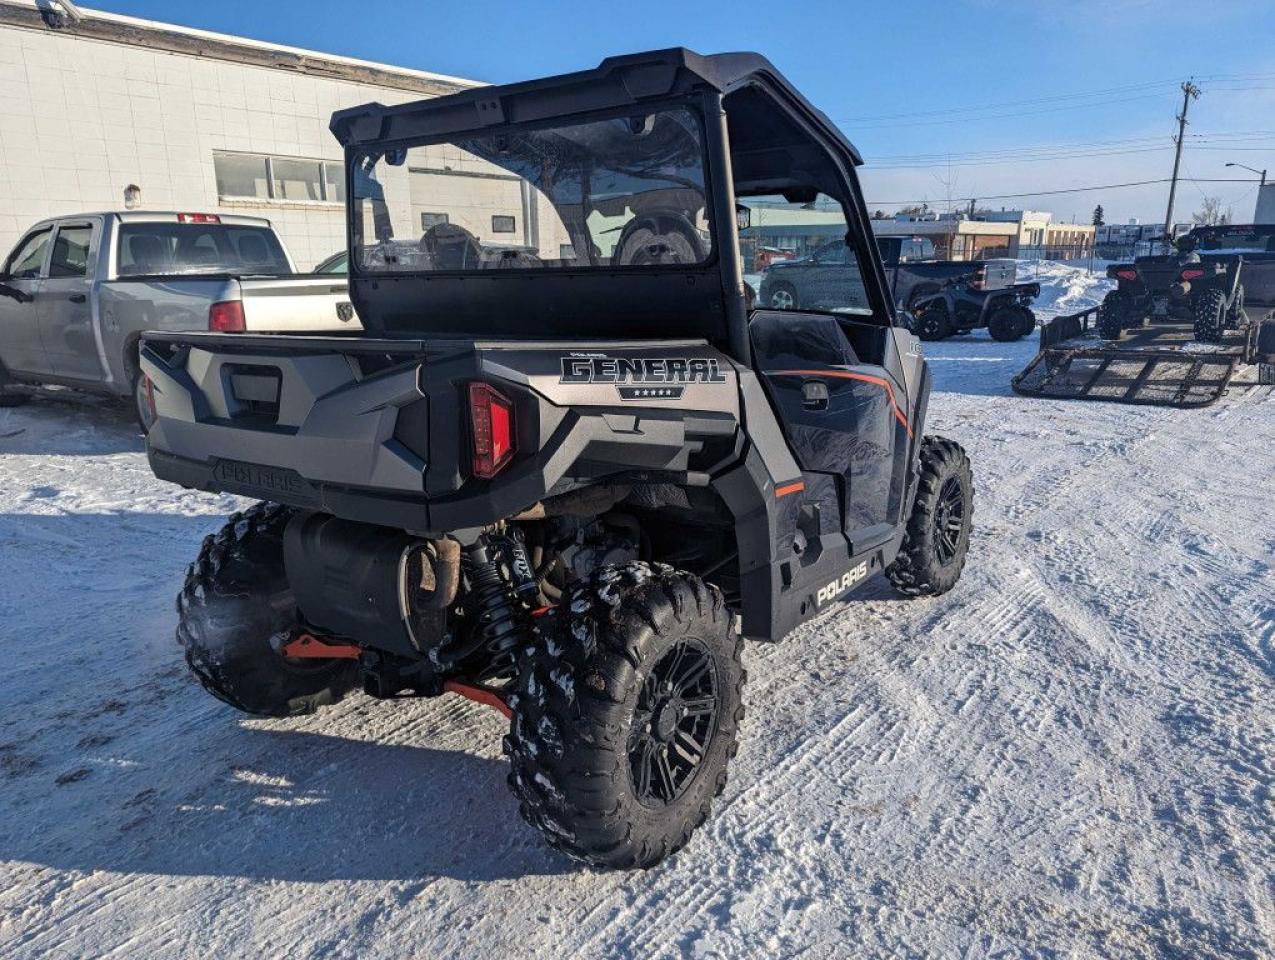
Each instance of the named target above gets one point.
<point>13,293</point>
<point>743,217</point>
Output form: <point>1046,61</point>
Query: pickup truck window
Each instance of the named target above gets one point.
<point>71,252</point>
<point>28,259</point>
<point>197,248</point>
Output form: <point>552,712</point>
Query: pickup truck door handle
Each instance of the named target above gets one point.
<point>77,298</point>
<point>814,395</point>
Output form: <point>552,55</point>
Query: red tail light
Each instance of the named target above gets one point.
<point>226,317</point>
<point>1127,274</point>
<point>198,218</point>
<point>492,416</point>
<point>1193,274</point>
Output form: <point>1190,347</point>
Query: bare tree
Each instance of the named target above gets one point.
<point>1211,213</point>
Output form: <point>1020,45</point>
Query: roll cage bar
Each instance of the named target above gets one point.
<point>705,299</point>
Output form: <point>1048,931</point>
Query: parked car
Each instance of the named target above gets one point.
<point>77,292</point>
<point>943,296</point>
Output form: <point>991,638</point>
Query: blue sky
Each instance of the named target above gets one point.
<point>945,98</point>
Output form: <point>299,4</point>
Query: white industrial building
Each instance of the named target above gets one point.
<point>92,104</point>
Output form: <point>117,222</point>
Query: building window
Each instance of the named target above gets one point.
<point>296,179</point>
<point>501,224</point>
<point>433,220</point>
<point>252,176</point>
<point>566,251</point>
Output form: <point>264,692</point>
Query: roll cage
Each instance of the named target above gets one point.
<point>761,137</point>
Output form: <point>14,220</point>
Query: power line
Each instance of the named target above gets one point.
<point>1051,193</point>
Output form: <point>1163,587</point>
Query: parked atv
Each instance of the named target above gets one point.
<point>569,485</point>
<point>1184,287</point>
<point>987,298</point>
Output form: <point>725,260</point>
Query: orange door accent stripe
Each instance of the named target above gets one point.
<point>848,375</point>
<point>795,487</point>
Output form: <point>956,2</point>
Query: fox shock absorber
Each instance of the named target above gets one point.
<point>497,599</point>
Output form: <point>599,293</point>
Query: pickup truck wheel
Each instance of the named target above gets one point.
<point>937,537</point>
<point>235,600</point>
<point>783,296</point>
<point>1209,315</point>
<point>1006,324</point>
<point>626,714</point>
<point>143,402</point>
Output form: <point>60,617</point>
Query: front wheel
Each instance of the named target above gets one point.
<point>626,714</point>
<point>933,322</point>
<point>937,537</point>
<point>235,600</point>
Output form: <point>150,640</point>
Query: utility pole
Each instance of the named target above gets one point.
<point>1189,92</point>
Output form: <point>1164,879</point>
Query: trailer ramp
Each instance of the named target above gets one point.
<point>1072,366</point>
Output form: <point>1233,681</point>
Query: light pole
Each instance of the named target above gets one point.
<point>1260,173</point>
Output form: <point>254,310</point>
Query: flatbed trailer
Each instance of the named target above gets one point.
<point>1160,364</point>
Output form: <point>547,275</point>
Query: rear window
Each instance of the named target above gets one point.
<point>198,248</point>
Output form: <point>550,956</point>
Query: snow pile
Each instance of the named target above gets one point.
<point>1065,286</point>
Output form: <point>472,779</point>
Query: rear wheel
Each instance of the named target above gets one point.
<point>235,600</point>
<point>1209,316</point>
<point>1006,324</point>
<point>1113,315</point>
<point>626,714</point>
<point>937,537</point>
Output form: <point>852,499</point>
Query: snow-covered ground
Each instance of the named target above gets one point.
<point>1071,755</point>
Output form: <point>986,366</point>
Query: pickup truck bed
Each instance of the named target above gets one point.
<point>77,292</point>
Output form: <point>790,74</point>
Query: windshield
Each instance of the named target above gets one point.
<point>1237,241</point>
<point>198,248</point>
<point>623,192</point>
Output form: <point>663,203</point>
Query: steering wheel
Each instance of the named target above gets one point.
<point>450,246</point>
<point>660,239</point>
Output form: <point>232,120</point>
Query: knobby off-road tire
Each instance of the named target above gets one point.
<point>1113,315</point>
<point>933,322</point>
<point>626,714</point>
<point>937,537</point>
<point>1209,315</point>
<point>236,597</point>
<point>1006,324</point>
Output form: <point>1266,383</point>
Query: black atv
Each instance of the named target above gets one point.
<point>567,483</point>
<point>1182,287</point>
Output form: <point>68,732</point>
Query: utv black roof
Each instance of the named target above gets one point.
<point>615,82</point>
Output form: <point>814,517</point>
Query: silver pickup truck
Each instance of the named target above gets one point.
<point>77,292</point>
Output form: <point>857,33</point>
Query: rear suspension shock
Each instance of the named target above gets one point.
<point>501,613</point>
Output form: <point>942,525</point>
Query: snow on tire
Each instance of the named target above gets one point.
<point>626,715</point>
<point>937,537</point>
<point>235,599</point>
<point>1209,315</point>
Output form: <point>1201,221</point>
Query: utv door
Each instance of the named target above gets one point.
<point>21,348</point>
<point>836,387</point>
<point>66,317</point>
